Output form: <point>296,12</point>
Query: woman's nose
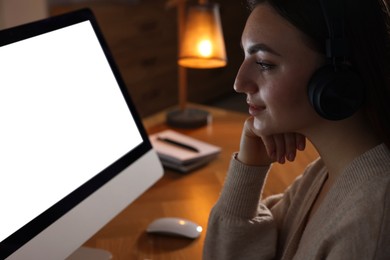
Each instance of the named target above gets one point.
<point>245,80</point>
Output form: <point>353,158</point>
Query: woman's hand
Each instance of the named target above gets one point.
<point>263,150</point>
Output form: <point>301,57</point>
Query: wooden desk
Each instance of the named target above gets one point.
<point>190,195</point>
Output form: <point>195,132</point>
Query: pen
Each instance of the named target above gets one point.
<point>177,143</point>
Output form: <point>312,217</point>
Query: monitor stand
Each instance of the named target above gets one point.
<point>90,253</point>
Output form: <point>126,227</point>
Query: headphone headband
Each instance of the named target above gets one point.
<point>336,44</point>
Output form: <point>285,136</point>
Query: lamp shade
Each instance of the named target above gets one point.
<point>202,44</point>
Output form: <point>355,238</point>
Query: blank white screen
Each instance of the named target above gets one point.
<point>63,120</point>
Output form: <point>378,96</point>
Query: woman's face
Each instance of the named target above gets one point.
<point>275,72</point>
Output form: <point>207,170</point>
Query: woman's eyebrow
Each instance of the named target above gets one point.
<point>261,47</point>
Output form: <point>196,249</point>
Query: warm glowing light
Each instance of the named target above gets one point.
<point>201,43</point>
<point>182,222</point>
<point>205,48</point>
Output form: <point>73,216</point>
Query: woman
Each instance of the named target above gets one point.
<point>339,208</point>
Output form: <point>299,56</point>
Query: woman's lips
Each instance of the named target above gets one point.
<point>255,109</point>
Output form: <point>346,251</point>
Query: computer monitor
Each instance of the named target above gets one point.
<point>73,150</point>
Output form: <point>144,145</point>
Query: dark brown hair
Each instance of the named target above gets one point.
<point>367,26</point>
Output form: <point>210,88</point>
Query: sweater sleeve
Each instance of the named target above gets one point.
<point>239,226</point>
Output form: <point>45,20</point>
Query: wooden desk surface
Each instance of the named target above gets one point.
<point>189,195</point>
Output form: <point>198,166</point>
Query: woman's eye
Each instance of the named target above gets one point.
<point>264,65</point>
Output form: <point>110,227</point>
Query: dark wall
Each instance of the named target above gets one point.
<point>142,37</point>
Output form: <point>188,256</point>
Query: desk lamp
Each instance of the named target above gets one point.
<point>201,46</point>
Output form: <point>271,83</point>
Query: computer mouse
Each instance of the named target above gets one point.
<point>175,227</point>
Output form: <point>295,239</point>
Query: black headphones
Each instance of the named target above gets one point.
<point>335,90</point>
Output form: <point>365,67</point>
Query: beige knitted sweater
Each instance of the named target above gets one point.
<point>353,221</point>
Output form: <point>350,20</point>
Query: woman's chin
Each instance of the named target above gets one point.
<point>259,128</point>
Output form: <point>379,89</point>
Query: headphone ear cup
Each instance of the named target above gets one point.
<point>335,94</point>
